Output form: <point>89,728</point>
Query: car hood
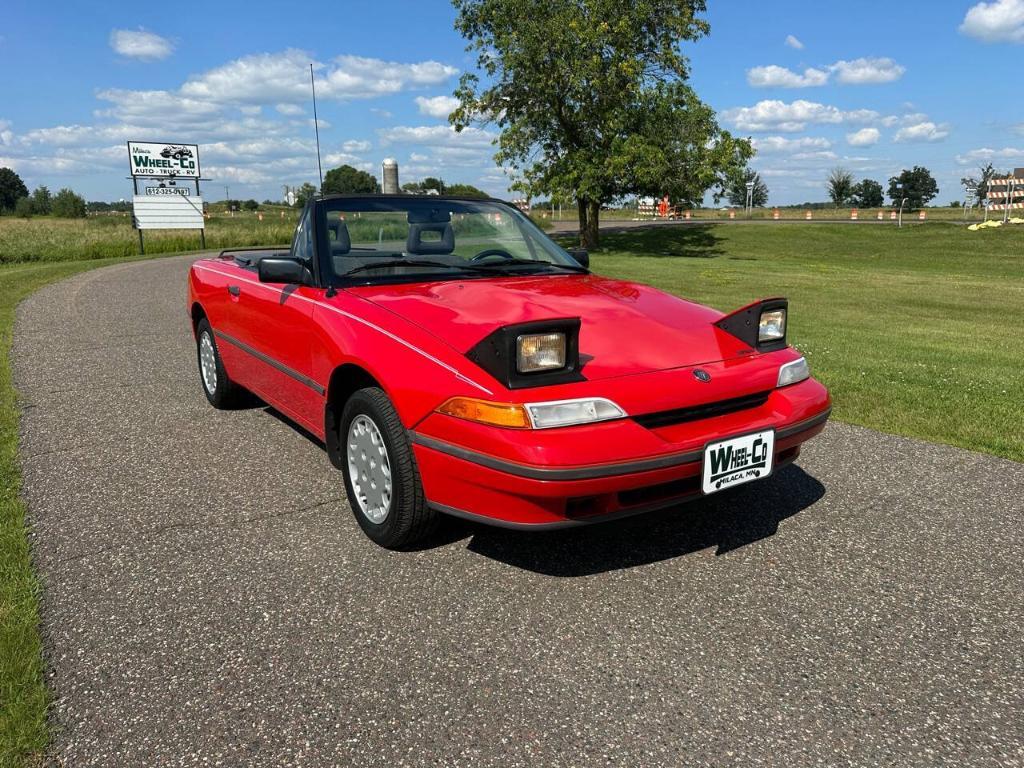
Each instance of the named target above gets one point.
<point>626,328</point>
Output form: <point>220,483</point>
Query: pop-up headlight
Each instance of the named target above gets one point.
<point>772,325</point>
<point>534,354</point>
<point>761,325</point>
<point>540,352</point>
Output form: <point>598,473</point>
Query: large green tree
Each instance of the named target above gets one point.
<point>917,185</point>
<point>12,189</point>
<point>348,180</point>
<point>465,190</point>
<point>736,188</point>
<point>980,183</point>
<point>68,205</point>
<point>840,186</point>
<point>868,194</point>
<point>42,201</point>
<point>590,97</point>
<point>304,193</point>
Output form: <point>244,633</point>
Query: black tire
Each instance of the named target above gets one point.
<point>225,393</point>
<point>408,518</point>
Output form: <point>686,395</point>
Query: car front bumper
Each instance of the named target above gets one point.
<point>507,491</point>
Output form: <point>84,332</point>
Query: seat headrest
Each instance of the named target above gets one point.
<point>342,243</point>
<point>416,245</point>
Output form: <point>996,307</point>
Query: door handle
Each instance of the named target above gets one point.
<point>234,290</point>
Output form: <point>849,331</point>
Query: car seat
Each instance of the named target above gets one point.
<point>417,246</point>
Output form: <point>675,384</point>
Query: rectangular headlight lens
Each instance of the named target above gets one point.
<point>540,352</point>
<point>772,326</point>
<point>564,413</point>
<point>794,372</point>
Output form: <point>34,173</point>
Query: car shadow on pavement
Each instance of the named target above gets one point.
<point>728,521</point>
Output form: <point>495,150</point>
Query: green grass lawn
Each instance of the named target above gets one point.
<point>46,238</point>
<point>917,332</point>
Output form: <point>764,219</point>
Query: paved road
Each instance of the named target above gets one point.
<point>209,600</point>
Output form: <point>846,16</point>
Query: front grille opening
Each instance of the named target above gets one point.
<point>660,492</point>
<point>588,506</point>
<point>703,411</point>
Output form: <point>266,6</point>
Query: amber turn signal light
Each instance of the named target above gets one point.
<point>510,415</point>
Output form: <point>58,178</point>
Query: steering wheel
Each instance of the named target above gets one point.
<point>494,252</point>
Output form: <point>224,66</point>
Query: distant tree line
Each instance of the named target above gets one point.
<point>916,186</point>
<point>15,198</point>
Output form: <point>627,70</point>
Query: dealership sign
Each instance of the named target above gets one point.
<point>163,191</point>
<point>160,160</point>
<point>167,212</point>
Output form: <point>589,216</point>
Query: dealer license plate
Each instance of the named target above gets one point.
<point>738,460</point>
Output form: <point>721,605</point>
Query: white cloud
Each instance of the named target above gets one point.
<point>437,106</point>
<point>823,155</point>
<point>342,158</point>
<point>925,131</point>
<point>437,136</point>
<point>792,42</point>
<point>252,120</point>
<point>283,77</point>
<point>782,173</point>
<point>155,106</point>
<point>1001,21</point>
<point>775,115</point>
<point>771,144</point>
<point>773,76</point>
<point>865,137</point>
<point>986,155</point>
<point>856,72</point>
<point>78,135</point>
<point>140,44</point>
<point>238,174</point>
<point>865,71</point>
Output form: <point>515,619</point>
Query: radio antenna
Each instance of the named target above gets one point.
<point>316,129</point>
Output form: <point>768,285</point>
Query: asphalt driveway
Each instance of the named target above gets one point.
<point>209,600</point>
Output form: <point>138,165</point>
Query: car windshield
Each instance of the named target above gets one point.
<point>404,238</point>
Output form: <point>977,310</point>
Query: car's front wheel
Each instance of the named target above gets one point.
<point>381,476</point>
<point>221,391</point>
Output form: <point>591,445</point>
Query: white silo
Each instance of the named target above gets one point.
<point>389,176</point>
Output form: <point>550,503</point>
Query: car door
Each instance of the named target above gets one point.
<point>280,333</point>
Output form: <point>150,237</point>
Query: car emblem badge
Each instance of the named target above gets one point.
<point>701,375</point>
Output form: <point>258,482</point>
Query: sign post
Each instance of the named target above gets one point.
<point>165,205</point>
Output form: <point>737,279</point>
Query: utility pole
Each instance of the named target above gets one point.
<point>903,201</point>
<point>227,200</point>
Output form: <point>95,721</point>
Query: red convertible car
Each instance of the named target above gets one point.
<point>455,360</point>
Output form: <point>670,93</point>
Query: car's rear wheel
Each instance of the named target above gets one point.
<point>381,476</point>
<point>220,390</point>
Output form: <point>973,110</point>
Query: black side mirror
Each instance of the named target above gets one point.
<point>581,255</point>
<point>279,270</point>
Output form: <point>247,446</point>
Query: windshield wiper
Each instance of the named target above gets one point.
<point>532,262</point>
<point>410,263</point>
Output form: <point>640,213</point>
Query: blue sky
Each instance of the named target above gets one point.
<point>871,86</point>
